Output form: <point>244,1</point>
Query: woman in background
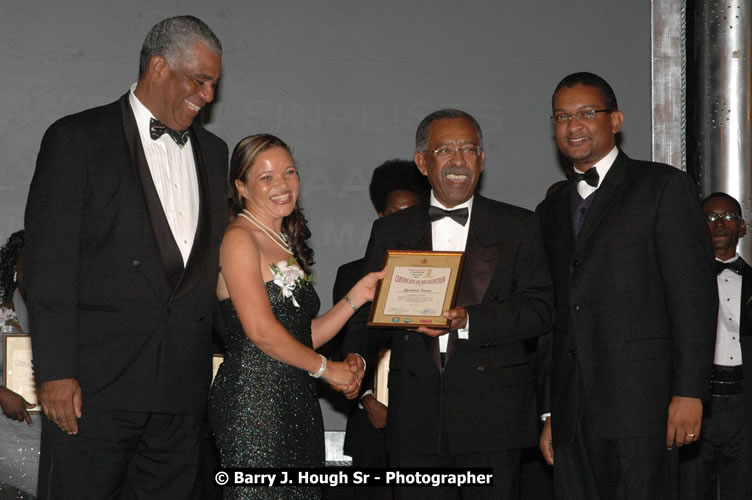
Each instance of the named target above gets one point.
<point>20,432</point>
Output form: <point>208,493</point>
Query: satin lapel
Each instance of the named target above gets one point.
<point>169,253</point>
<point>481,257</point>
<point>482,253</point>
<point>745,316</point>
<point>563,211</point>
<point>607,193</point>
<point>199,251</point>
<point>559,217</point>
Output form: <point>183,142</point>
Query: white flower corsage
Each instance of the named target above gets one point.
<point>288,276</point>
<point>7,316</point>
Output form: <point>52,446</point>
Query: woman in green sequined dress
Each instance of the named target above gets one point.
<point>263,407</point>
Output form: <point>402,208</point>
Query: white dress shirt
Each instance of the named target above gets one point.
<point>449,236</point>
<point>728,348</point>
<point>602,167</point>
<point>173,171</point>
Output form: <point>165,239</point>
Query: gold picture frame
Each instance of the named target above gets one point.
<point>417,288</point>
<point>18,368</point>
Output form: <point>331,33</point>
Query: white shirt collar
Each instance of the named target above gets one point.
<point>468,204</point>
<point>143,119</point>
<point>140,112</point>
<point>602,166</point>
<point>732,259</point>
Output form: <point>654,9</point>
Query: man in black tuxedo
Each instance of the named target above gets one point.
<point>719,465</point>
<point>465,397</point>
<point>636,305</point>
<point>124,218</point>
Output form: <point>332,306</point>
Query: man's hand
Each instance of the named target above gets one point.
<point>14,406</point>
<point>375,410</point>
<point>457,318</point>
<point>684,421</point>
<point>546,442</point>
<point>357,366</point>
<point>61,403</point>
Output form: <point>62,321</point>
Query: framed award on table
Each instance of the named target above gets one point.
<point>381,377</point>
<point>18,370</point>
<point>417,288</point>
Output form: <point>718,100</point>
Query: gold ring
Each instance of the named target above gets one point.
<point>690,435</point>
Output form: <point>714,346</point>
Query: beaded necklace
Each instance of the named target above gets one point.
<point>279,240</point>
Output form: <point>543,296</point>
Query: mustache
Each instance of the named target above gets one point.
<point>457,170</point>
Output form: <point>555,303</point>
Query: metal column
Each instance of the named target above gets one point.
<point>723,118</point>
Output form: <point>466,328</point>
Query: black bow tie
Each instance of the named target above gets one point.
<point>157,128</point>
<point>590,176</point>
<point>459,216</point>
<point>735,266</point>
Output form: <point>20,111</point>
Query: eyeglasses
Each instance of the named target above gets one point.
<point>466,150</point>
<point>727,216</point>
<point>588,114</point>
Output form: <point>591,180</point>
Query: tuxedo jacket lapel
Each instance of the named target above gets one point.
<point>563,216</point>
<point>482,252</point>
<point>200,248</point>
<point>180,278</point>
<point>607,193</point>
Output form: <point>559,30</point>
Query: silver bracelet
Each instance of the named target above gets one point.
<point>349,301</point>
<point>322,368</point>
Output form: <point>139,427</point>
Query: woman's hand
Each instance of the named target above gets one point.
<point>358,367</point>
<point>364,290</point>
<point>339,373</point>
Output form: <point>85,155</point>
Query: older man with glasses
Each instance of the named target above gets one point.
<point>465,396</point>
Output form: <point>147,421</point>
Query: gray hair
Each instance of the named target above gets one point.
<point>421,136</point>
<point>173,38</point>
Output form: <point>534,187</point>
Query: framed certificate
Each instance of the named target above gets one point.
<point>18,370</point>
<point>417,288</point>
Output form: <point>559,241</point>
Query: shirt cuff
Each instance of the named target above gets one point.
<point>545,417</point>
<point>464,333</point>
<point>365,393</point>
<point>363,359</point>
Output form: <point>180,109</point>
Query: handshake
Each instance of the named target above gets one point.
<point>345,376</point>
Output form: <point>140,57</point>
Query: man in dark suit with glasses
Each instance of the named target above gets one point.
<point>631,262</point>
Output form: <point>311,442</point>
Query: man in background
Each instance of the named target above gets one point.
<point>395,185</point>
<point>718,466</point>
<point>124,218</point>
